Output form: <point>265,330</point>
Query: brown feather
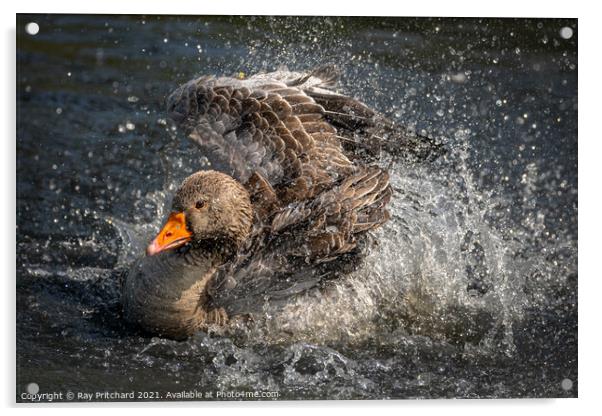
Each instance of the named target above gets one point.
<point>285,137</point>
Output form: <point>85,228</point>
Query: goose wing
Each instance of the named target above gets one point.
<point>287,137</point>
<point>307,243</point>
<point>264,130</point>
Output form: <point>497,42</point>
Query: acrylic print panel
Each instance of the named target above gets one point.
<point>333,208</point>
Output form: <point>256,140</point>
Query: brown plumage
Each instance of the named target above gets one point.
<point>289,210</point>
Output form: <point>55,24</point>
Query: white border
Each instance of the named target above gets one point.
<point>466,8</point>
<point>590,232</point>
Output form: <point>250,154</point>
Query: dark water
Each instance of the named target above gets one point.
<point>472,291</point>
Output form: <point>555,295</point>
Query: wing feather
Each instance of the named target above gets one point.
<point>286,136</point>
<point>268,124</point>
<point>305,243</point>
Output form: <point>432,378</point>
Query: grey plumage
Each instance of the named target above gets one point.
<point>285,137</point>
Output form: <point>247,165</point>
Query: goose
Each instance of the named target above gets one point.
<point>297,194</point>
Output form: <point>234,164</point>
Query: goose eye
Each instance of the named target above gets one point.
<point>200,204</point>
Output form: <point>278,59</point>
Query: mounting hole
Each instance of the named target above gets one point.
<point>33,388</point>
<point>566,32</point>
<point>566,384</point>
<point>32,28</point>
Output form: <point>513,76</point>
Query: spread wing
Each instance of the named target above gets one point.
<point>305,245</point>
<point>286,136</point>
<point>266,126</point>
<point>364,130</point>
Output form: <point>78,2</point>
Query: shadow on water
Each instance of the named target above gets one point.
<point>471,289</point>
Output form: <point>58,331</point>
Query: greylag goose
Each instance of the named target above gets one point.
<point>290,210</point>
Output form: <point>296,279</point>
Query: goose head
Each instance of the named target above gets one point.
<point>209,206</point>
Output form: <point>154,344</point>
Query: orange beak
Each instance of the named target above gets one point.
<point>173,234</point>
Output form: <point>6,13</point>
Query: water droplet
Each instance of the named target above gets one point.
<point>459,78</point>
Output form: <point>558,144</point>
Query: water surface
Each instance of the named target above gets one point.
<point>472,289</point>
